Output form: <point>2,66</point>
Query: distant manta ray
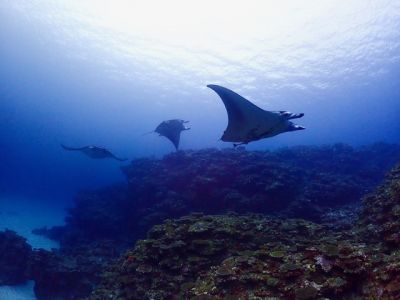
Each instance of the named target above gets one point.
<point>247,122</point>
<point>94,152</point>
<point>171,129</point>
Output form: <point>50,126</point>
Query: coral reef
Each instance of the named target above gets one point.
<point>67,274</point>
<point>380,215</point>
<point>240,257</point>
<point>15,256</point>
<point>299,182</point>
<point>232,256</point>
<point>70,274</point>
<point>259,257</point>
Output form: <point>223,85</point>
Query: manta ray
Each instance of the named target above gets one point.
<point>172,129</point>
<point>247,122</point>
<point>94,152</point>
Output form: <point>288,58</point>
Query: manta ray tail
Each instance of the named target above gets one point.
<point>119,159</point>
<point>239,144</point>
<point>71,148</point>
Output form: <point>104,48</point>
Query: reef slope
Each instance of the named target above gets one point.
<point>275,254</point>
<point>306,182</point>
<point>256,257</point>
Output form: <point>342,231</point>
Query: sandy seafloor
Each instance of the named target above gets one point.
<point>22,215</point>
<point>17,292</point>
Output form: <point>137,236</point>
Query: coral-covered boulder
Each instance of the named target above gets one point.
<point>380,216</point>
<point>15,255</point>
<point>384,279</point>
<point>239,257</point>
<point>70,274</point>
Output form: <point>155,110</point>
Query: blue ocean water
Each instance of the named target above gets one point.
<point>99,73</point>
<point>104,73</point>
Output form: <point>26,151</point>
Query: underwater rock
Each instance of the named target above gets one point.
<point>69,275</point>
<point>384,280</point>
<point>230,256</point>
<point>267,257</point>
<point>54,233</point>
<point>298,182</point>
<point>380,214</point>
<point>15,254</point>
<point>59,277</point>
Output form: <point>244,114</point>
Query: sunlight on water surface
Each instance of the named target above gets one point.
<point>290,45</point>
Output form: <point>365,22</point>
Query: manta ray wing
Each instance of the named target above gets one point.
<point>246,121</point>
<point>174,137</point>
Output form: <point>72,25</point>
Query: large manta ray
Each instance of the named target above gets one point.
<point>94,152</point>
<point>247,122</point>
<point>172,129</point>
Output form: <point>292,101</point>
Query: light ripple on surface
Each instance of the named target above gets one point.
<point>314,45</point>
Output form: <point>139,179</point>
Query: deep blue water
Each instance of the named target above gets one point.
<point>103,73</point>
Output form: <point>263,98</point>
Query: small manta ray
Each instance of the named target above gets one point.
<point>247,122</point>
<point>94,152</point>
<point>172,129</point>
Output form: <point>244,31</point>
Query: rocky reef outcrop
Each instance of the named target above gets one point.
<point>381,211</point>
<point>235,257</point>
<point>15,255</point>
<point>70,274</point>
<point>259,257</point>
<point>235,254</point>
<point>248,257</point>
<point>300,182</point>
